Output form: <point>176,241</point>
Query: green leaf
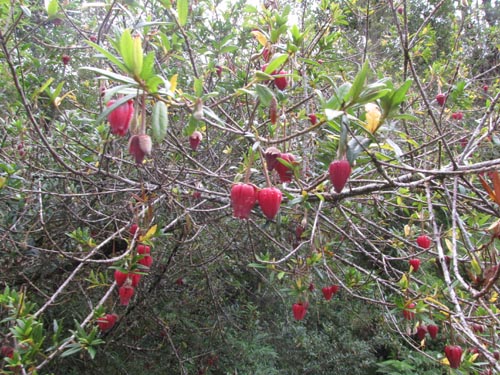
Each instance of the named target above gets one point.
<point>159,122</point>
<point>355,147</point>
<point>51,6</point>
<point>358,84</point>
<point>182,11</point>
<point>277,61</point>
<point>111,75</point>
<point>127,50</point>
<point>191,127</point>
<point>148,66</point>
<point>26,11</point>
<point>198,87</point>
<point>265,94</point>
<point>399,96</point>
<point>275,34</point>
<point>109,56</point>
<point>153,83</point>
<point>332,114</point>
<point>42,88</point>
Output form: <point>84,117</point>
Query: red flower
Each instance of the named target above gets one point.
<point>65,59</point>
<point>134,278</point>
<point>424,241</point>
<point>139,146</point>
<point>195,139</point>
<point>407,312</point>
<point>7,351</point>
<point>107,322</point>
<point>313,119</point>
<point>126,292</point>
<point>415,264</point>
<point>120,277</point>
<point>433,330</point>
<point>281,82</point>
<point>119,118</point>
<point>133,229</point>
<point>271,155</point>
<point>269,201</point>
<point>284,172</point>
<point>147,261</point>
<point>299,310</point>
<point>454,355</point>
<point>329,291</point>
<point>143,249</point>
<point>421,331</point>
<point>243,198</point>
<point>339,171</point>
<point>441,99</point>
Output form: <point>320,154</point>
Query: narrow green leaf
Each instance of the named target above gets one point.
<point>198,87</point>
<point>399,96</point>
<point>109,56</point>
<point>42,88</point>
<point>358,84</point>
<point>191,127</point>
<point>111,75</point>
<point>182,11</point>
<point>148,65</point>
<point>127,50</point>
<point>159,122</point>
<point>265,94</point>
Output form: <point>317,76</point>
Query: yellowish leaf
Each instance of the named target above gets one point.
<point>261,38</point>
<point>496,185</point>
<point>3,180</point>
<point>448,243</point>
<point>486,187</point>
<point>173,82</point>
<point>373,116</point>
<point>150,233</point>
<point>494,297</point>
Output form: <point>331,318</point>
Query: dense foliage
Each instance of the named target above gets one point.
<point>140,140</point>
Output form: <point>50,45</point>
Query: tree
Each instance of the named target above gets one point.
<point>210,187</point>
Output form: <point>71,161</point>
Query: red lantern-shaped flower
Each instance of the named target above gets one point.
<point>339,171</point>
<point>299,310</point>
<point>433,330</point>
<point>195,139</point>
<point>107,322</point>
<point>243,198</point>
<point>424,241</point>
<point>270,201</point>
<point>119,118</point>
<point>126,292</point>
<point>281,82</point>
<point>139,146</point>
<point>421,332</point>
<point>284,172</point>
<point>414,264</point>
<point>146,261</point>
<point>454,355</point>
<point>408,311</point>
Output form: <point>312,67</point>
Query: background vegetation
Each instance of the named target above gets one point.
<point>218,297</point>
